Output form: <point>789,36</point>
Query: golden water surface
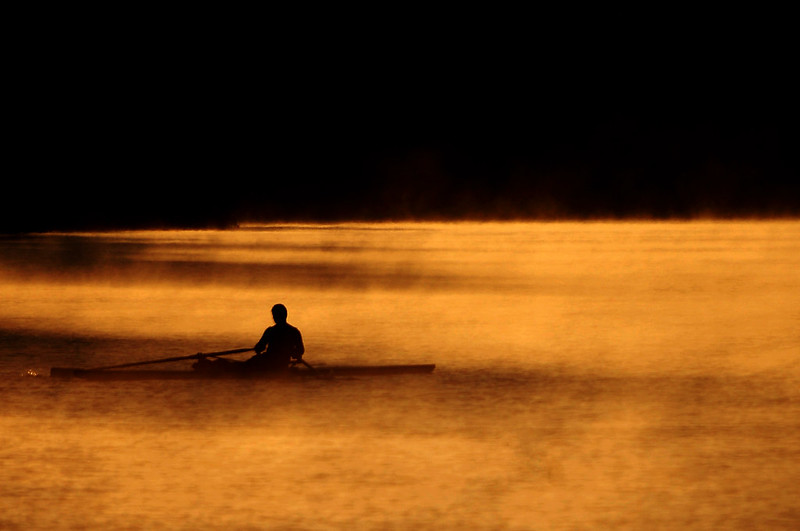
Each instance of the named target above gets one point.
<point>589,375</point>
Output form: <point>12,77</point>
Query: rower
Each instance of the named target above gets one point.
<point>279,345</point>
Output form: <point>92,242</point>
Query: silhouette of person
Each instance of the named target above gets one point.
<point>278,346</point>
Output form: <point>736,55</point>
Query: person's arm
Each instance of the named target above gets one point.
<point>261,346</point>
<point>299,349</point>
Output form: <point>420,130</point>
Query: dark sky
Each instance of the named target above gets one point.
<point>175,128</point>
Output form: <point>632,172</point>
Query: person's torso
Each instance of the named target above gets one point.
<point>282,341</point>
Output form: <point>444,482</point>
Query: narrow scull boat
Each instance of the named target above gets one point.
<point>294,372</point>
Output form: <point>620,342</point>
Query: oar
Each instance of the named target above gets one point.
<point>178,358</point>
<point>304,362</point>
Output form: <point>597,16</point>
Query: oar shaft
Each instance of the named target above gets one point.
<point>177,358</point>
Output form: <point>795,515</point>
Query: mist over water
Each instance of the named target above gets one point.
<point>589,375</point>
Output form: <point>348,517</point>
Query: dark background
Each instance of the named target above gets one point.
<point>194,121</point>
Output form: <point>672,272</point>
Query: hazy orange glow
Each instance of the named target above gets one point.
<point>588,375</point>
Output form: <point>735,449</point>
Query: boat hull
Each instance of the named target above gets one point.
<point>320,372</point>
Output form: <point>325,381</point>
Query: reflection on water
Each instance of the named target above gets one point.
<point>588,375</point>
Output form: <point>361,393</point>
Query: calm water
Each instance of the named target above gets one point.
<point>602,375</point>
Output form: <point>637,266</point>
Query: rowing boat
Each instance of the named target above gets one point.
<point>294,372</point>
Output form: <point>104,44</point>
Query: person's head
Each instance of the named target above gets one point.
<point>279,313</point>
